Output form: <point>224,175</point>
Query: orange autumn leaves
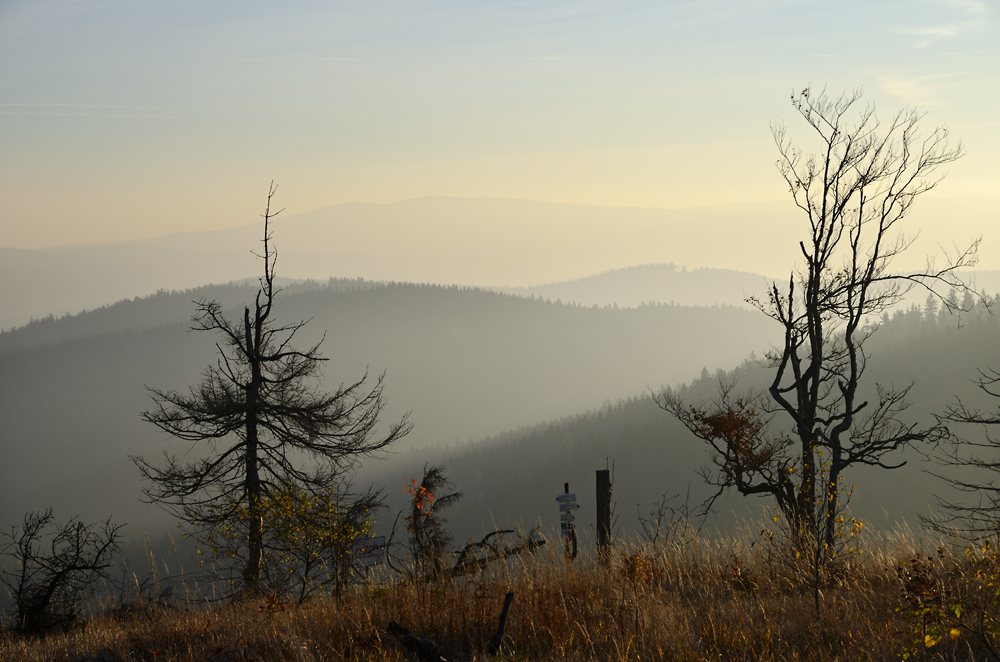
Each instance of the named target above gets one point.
<point>423,501</point>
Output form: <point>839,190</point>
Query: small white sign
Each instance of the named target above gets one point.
<point>563,507</point>
<point>369,551</point>
<point>566,517</point>
<point>566,497</point>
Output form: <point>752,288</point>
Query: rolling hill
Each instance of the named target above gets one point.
<point>515,476</point>
<point>466,362</point>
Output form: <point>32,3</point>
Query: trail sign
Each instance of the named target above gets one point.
<point>368,551</point>
<point>567,504</point>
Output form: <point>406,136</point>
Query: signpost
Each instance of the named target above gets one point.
<point>368,551</point>
<point>567,527</point>
<point>567,504</point>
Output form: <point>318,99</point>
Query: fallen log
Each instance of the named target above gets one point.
<point>468,562</point>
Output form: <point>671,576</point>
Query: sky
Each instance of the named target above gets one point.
<point>122,120</point>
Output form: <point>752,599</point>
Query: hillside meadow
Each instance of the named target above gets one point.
<point>733,598</point>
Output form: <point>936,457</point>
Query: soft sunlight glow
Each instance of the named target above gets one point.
<point>127,121</point>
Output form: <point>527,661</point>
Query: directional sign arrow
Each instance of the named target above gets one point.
<point>563,498</point>
<point>568,506</point>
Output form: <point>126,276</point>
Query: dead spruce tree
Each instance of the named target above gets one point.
<point>265,424</point>
<point>794,441</point>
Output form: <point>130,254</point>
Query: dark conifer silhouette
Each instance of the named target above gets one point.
<point>263,419</point>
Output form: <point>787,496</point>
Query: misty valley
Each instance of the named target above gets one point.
<point>646,462</point>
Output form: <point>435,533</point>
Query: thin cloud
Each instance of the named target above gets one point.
<point>975,13</point>
<point>286,60</point>
<point>912,91</point>
<point>929,35</point>
<point>42,110</point>
<point>971,6</point>
<point>133,115</point>
<point>86,105</point>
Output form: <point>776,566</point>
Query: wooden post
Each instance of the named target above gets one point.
<point>604,513</point>
<point>497,640</point>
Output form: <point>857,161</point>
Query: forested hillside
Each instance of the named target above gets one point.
<point>518,474</point>
<point>513,373</point>
<point>139,313</point>
<point>465,362</point>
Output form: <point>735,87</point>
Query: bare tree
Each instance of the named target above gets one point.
<point>49,586</point>
<point>794,441</point>
<point>267,424</point>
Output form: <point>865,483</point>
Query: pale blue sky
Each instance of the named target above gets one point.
<point>127,119</point>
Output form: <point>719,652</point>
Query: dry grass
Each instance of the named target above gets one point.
<point>696,600</point>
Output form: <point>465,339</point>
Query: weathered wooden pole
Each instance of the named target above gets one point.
<point>604,513</point>
<point>497,640</point>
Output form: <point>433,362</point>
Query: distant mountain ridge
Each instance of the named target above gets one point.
<point>486,242</point>
<point>654,283</point>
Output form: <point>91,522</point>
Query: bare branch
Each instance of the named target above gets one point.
<point>855,192</point>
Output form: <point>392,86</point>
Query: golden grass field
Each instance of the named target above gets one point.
<point>731,599</point>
